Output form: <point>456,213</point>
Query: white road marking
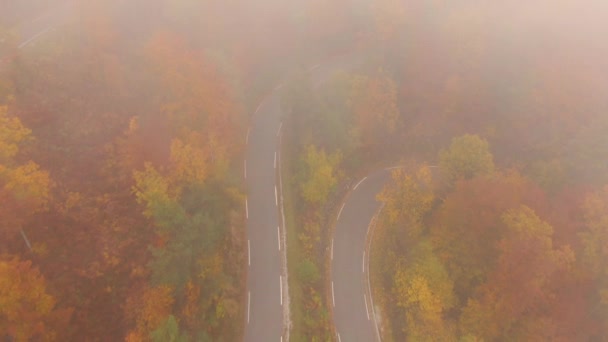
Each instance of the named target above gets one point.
<point>339,340</point>
<point>275,159</point>
<point>340,212</point>
<point>366,309</point>
<point>276,198</point>
<point>361,181</point>
<point>248,305</point>
<point>246,209</point>
<point>333,297</point>
<point>281,288</point>
<point>247,138</point>
<point>279,130</point>
<point>245,168</point>
<point>259,106</point>
<point>25,43</point>
<point>27,241</point>
<point>363,262</point>
<point>279,236</point>
<point>332,249</point>
<point>249,252</point>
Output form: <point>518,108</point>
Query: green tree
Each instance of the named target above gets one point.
<point>468,156</point>
<point>152,190</point>
<point>168,331</point>
<point>320,174</point>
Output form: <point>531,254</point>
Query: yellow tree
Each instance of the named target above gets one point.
<point>12,133</point>
<point>24,189</point>
<point>423,290</point>
<point>468,156</point>
<point>149,311</point>
<point>407,199</point>
<point>152,190</point>
<point>321,174</point>
<point>189,163</point>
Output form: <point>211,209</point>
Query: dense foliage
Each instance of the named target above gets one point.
<point>120,214</point>
<point>497,244</point>
<point>492,258</point>
<point>122,131</point>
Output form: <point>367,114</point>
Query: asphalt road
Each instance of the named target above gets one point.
<point>264,321</point>
<point>267,295</point>
<point>352,306</point>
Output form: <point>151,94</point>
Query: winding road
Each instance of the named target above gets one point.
<point>352,305</point>
<point>267,312</point>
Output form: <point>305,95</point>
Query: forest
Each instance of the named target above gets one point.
<point>123,130</point>
<point>499,233</point>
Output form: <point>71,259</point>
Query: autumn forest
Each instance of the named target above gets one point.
<point>123,129</point>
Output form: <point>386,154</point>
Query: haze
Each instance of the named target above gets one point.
<point>319,170</point>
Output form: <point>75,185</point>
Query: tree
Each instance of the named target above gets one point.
<point>374,102</point>
<point>468,156</point>
<point>467,225</point>
<point>152,190</point>
<point>198,98</point>
<point>407,199</point>
<point>320,174</point>
<point>149,310</point>
<point>168,331</point>
<point>27,311</point>
<point>513,303</point>
<point>12,134</point>
<point>189,163</point>
<point>24,188</point>
<point>595,249</point>
<point>423,290</point>
<point>299,99</point>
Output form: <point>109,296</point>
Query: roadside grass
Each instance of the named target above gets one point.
<point>381,297</point>
<point>294,254</point>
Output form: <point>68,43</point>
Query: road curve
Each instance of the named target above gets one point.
<point>353,311</point>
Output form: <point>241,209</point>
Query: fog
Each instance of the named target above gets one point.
<point>305,170</point>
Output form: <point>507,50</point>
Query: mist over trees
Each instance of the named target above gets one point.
<point>121,141</point>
